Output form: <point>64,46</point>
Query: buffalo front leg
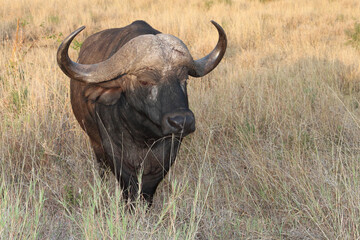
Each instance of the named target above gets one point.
<point>148,191</point>
<point>130,185</point>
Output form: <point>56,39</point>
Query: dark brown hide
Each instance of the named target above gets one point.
<point>136,120</point>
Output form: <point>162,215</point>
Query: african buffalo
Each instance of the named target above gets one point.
<point>128,93</point>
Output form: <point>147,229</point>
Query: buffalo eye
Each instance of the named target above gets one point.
<point>144,83</point>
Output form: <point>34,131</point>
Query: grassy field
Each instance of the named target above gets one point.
<point>276,153</point>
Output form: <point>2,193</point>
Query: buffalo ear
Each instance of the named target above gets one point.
<point>110,96</point>
<point>106,96</point>
<point>109,92</point>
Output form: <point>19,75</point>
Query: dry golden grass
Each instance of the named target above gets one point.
<point>276,154</point>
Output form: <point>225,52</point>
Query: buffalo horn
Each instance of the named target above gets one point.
<point>206,64</point>
<point>89,73</point>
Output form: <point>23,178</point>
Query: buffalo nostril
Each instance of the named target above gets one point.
<point>177,122</point>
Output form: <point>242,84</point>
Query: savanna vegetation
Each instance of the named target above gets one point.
<point>276,153</point>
